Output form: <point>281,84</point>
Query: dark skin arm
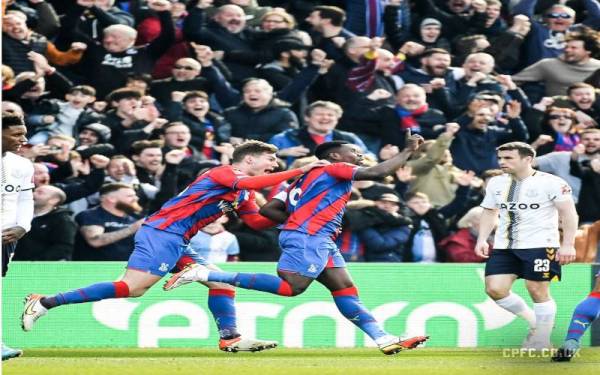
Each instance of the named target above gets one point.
<point>390,166</point>
<point>275,211</point>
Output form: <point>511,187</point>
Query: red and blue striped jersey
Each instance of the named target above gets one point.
<point>316,201</point>
<point>198,205</point>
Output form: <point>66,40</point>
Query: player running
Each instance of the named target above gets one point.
<point>161,242</point>
<point>315,205</point>
<point>584,315</point>
<point>526,244</point>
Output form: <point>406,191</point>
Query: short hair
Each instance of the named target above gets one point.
<point>410,86</point>
<point>139,146</point>
<point>589,131</point>
<point>127,30</point>
<point>288,18</point>
<point>84,89</point>
<point>493,2</point>
<point>579,85</point>
<point>524,149</point>
<point>325,149</point>
<point>63,137</point>
<point>10,119</point>
<point>415,194</point>
<point>254,80</point>
<point>144,77</point>
<point>195,94</point>
<point>432,51</point>
<point>112,187</point>
<point>324,104</point>
<point>123,93</point>
<point>571,113</point>
<point>172,124</point>
<point>252,147</point>
<point>335,14</point>
<point>589,37</point>
<point>57,193</point>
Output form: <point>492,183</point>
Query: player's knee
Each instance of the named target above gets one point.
<point>136,291</point>
<point>495,292</point>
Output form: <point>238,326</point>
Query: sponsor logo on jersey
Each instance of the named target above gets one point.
<point>515,206</point>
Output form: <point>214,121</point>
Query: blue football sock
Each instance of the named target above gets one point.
<point>585,313</point>
<point>349,304</point>
<point>222,306</point>
<point>255,281</point>
<point>94,292</point>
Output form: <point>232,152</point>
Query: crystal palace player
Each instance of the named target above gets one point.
<point>315,205</point>
<point>160,244</point>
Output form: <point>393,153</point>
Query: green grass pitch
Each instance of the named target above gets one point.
<point>291,361</point>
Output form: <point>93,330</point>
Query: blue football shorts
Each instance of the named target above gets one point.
<point>308,255</point>
<point>159,252</point>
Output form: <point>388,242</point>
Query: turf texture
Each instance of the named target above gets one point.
<point>293,361</point>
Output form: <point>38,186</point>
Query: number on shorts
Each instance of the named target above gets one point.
<point>541,265</point>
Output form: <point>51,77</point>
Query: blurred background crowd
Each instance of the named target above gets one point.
<point>127,102</point>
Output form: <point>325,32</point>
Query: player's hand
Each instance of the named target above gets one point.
<point>565,255</point>
<point>315,164</point>
<point>482,249</point>
<point>413,142</point>
<point>225,206</point>
<point>12,234</point>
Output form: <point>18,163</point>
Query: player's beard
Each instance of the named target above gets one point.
<point>129,208</point>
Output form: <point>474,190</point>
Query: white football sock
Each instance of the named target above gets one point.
<point>517,305</point>
<point>545,313</point>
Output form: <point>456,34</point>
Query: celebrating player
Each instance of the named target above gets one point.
<point>526,244</point>
<point>161,242</point>
<point>584,315</point>
<point>315,205</point>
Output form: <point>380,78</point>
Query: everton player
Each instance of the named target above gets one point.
<point>526,205</point>
<point>312,216</point>
<point>161,242</point>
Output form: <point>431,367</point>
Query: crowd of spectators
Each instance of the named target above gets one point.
<point>127,101</point>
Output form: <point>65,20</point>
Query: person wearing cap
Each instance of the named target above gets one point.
<point>430,34</point>
<point>457,17</point>
<point>547,38</point>
<point>385,238</point>
<point>290,57</point>
<point>92,134</point>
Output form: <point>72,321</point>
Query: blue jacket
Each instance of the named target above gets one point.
<point>301,137</point>
<point>384,245</point>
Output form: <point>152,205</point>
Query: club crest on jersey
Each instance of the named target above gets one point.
<point>240,198</point>
<point>531,193</point>
<point>514,206</point>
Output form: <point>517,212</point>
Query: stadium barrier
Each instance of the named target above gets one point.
<point>446,301</point>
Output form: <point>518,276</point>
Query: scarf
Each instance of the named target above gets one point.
<point>407,118</point>
<point>565,142</point>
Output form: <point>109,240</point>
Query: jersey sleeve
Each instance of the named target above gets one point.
<point>224,176</point>
<point>559,190</point>
<point>489,200</point>
<point>248,211</point>
<point>341,171</point>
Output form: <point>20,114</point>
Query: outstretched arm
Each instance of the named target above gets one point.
<point>392,165</point>
<point>275,210</point>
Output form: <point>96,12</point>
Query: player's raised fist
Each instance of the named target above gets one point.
<point>414,141</point>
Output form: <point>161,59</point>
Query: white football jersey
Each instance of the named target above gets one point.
<point>17,178</point>
<point>528,216</point>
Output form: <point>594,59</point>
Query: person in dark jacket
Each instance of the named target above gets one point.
<point>321,118</point>
<point>411,112</point>
<point>193,109</point>
<point>259,116</point>
<point>385,241</point>
<point>106,66</point>
<point>53,230</point>
<point>474,146</point>
<point>588,205</point>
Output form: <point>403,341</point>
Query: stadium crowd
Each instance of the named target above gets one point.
<point>126,102</point>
